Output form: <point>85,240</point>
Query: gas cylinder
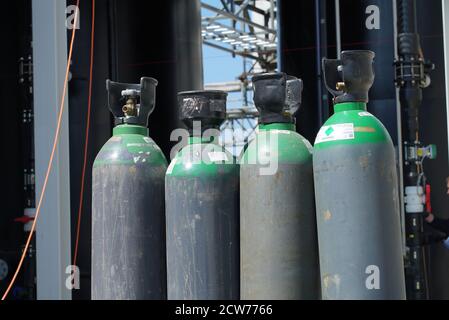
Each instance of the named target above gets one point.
<point>128,215</point>
<point>279,257</point>
<point>202,206</point>
<point>356,190</point>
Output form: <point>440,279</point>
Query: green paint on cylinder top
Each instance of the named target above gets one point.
<point>202,157</point>
<point>351,124</point>
<point>130,145</point>
<point>277,142</point>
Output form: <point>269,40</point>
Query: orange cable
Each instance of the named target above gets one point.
<point>86,143</point>
<point>50,162</point>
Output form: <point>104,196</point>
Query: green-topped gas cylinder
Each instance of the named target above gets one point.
<point>202,206</point>
<point>356,190</point>
<point>128,217</point>
<point>279,255</point>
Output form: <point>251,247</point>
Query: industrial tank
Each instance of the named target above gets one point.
<point>279,255</point>
<point>128,221</point>
<point>356,190</point>
<point>202,201</point>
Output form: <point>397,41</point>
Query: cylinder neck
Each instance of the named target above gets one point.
<point>278,126</point>
<point>349,106</point>
<point>130,129</point>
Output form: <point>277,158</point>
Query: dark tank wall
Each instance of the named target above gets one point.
<point>101,125</point>
<point>12,30</point>
<point>369,25</point>
<point>161,39</point>
<point>133,38</point>
<point>301,53</point>
<point>306,35</point>
<point>17,154</point>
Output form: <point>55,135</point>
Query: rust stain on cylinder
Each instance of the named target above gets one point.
<point>132,170</point>
<point>364,162</point>
<point>364,129</point>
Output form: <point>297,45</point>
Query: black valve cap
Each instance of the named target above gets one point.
<point>277,96</point>
<point>144,93</point>
<point>350,78</point>
<point>207,106</point>
<point>294,95</point>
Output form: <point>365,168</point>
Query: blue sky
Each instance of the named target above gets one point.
<point>220,66</point>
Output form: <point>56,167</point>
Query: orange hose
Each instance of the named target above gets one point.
<point>50,162</point>
<point>86,143</point>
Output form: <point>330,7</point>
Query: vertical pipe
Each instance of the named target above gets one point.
<point>407,20</point>
<point>399,133</point>
<point>410,95</point>
<point>53,229</point>
<point>188,45</point>
<point>338,27</point>
<point>318,61</point>
<point>279,35</point>
<point>445,13</point>
<point>113,52</point>
<point>298,57</point>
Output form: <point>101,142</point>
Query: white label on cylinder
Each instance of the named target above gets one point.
<point>217,156</point>
<point>342,131</point>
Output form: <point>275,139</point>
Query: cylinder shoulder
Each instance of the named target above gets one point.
<point>284,146</point>
<point>351,128</point>
<point>132,149</point>
<point>202,160</point>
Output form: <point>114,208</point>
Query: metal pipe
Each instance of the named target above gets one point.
<point>407,20</point>
<point>243,54</point>
<point>411,83</point>
<point>318,61</point>
<point>445,10</point>
<point>279,36</point>
<point>399,133</point>
<point>338,27</point>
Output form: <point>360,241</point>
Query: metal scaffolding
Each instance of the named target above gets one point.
<point>246,28</point>
<point>239,129</point>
